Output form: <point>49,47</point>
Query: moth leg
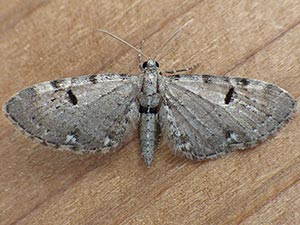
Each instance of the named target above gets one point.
<point>140,55</point>
<point>181,70</point>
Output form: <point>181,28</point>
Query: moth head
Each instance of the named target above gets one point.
<point>150,64</point>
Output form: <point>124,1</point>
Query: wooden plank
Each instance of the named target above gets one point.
<point>44,40</point>
<point>273,212</point>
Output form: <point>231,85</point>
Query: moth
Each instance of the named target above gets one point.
<point>200,116</point>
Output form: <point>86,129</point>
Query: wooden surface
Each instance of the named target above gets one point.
<point>45,40</point>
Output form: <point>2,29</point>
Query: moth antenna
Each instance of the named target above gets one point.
<point>123,41</point>
<point>171,37</point>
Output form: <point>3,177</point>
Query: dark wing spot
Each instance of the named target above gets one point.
<point>93,79</point>
<point>229,96</point>
<point>226,79</point>
<point>123,76</point>
<point>72,97</point>
<point>206,79</point>
<point>243,81</point>
<point>56,83</point>
<point>75,132</point>
<point>228,134</point>
<point>175,77</point>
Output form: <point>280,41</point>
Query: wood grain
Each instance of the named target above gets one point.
<point>44,40</point>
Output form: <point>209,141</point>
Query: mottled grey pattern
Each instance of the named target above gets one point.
<point>204,116</point>
<point>201,116</point>
<point>88,113</point>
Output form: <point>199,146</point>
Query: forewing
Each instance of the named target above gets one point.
<point>204,116</point>
<point>87,113</point>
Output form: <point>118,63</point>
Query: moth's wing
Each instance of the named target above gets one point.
<point>204,116</point>
<point>87,113</point>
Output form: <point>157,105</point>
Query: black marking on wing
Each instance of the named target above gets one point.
<point>56,83</point>
<point>72,97</point>
<point>206,78</point>
<point>176,77</point>
<point>93,79</point>
<point>229,96</point>
<point>243,81</point>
